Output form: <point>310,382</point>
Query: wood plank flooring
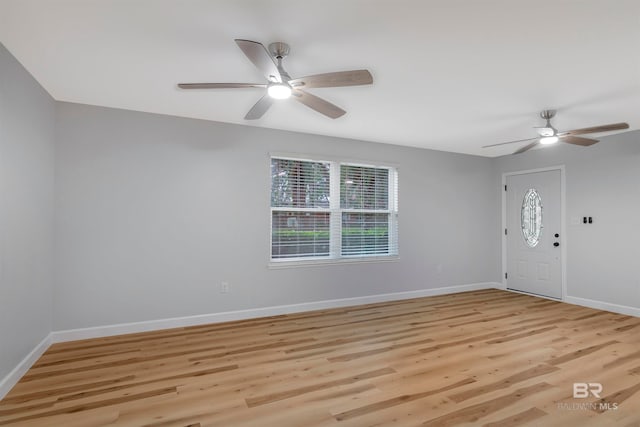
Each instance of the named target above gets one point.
<point>483,358</point>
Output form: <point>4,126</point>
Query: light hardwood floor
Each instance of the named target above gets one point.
<point>483,358</point>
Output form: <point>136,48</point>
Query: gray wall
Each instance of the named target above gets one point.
<point>153,212</point>
<point>602,181</point>
<point>26,212</point>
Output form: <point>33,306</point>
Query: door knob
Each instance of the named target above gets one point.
<point>556,244</point>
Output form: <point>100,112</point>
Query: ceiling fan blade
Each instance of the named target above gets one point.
<point>257,53</point>
<point>526,147</point>
<point>259,108</point>
<point>510,142</point>
<point>578,140</point>
<point>341,78</point>
<point>596,129</point>
<point>219,85</point>
<point>318,104</point>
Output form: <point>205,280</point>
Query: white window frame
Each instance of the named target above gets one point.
<point>335,215</point>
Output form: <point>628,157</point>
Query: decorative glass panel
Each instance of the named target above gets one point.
<point>531,217</point>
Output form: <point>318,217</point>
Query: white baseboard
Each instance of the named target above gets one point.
<point>7,383</point>
<point>178,322</point>
<point>600,305</point>
<point>500,285</point>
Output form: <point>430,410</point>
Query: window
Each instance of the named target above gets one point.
<point>300,208</point>
<point>331,210</point>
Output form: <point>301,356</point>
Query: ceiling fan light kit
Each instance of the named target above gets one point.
<point>550,135</point>
<point>280,85</point>
<point>547,140</point>
<point>279,90</point>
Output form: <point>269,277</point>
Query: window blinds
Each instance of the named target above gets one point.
<point>368,223</point>
<point>330,210</point>
<point>300,216</point>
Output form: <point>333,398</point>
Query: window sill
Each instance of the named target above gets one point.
<point>332,261</point>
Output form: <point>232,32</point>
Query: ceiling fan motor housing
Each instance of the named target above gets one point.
<point>548,130</point>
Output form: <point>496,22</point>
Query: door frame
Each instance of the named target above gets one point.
<point>563,226</point>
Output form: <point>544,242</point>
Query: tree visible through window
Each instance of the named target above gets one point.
<point>330,210</point>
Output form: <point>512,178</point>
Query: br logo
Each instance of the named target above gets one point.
<point>583,390</point>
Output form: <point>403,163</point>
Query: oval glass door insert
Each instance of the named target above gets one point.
<point>531,217</point>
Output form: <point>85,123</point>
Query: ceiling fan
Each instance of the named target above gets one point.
<point>550,135</point>
<point>280,85</point>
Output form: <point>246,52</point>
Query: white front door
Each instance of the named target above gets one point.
<point>533,233</point>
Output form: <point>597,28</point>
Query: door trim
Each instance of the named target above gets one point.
<point>563,223</point>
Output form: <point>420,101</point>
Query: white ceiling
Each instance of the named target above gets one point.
<point>450,75</point>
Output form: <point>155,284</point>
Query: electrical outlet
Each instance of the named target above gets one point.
<point>224,287</point>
